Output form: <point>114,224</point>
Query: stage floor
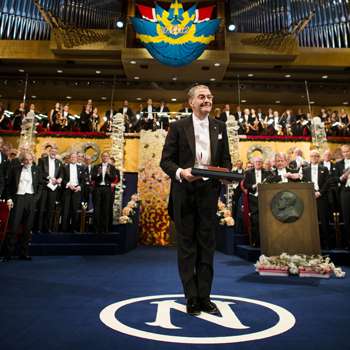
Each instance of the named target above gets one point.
<point>56,303</point>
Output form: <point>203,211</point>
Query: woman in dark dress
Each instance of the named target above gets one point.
<point>5,122</point>
<point>85,121</point>
<point>55,125</point>
<point>18,116</point>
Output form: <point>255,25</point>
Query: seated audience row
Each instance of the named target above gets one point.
<point>249,121</point>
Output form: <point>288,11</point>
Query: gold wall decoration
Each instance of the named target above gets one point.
<point>132,153</point>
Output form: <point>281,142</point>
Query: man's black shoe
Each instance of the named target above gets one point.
<point>25,257</point>
<point>193,308</point>
<point>209,307</point>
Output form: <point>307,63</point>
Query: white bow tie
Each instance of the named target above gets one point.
<point>203,123</point>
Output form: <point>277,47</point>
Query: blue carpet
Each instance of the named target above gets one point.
<point>55,303</point>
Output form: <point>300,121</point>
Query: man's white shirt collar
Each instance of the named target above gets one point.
<point>201,122</point>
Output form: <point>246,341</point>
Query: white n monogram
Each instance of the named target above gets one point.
<point>227,319</point>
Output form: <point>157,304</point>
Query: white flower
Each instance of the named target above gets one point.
<point>293,269</point>
<point>297,263</point>
<point>339,272</point>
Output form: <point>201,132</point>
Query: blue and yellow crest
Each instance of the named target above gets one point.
<point>175,37</point>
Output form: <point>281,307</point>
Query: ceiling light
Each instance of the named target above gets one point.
<point>104,98</point>
<point>132,62</point>
<point>174,78</point>
<point>244,101</point>
<point>212,79</point>
<point>98,72</point>
<point>68,97</point>
<point>59,71</point>
<point>287,76</point>
<point>137,78</point>
<point>33,96</point>
<point>231,27</point>
<point>324,76</point>
<point>345,103</point>
<point>277,101</point>
<point>120,24</point>
<point>21,70</point>
<point>173,99</point>
<point>138,98</point>
<point>250,75</point>
<point>312,102</point>
<point>217,64</point>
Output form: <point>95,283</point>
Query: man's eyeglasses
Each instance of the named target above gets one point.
<point>203,97</point>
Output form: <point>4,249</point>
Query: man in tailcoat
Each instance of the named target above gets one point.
<point>252,179</point>
<point>50,168</point>
<point>73,176</point>
<point>191,142</point>
<point>319,176</point>
<point>343,174</point>
<point>23,191</point>
<point>282,173</point>
<point>103,176</point>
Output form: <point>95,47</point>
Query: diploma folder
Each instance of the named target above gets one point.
<point>218,173</point>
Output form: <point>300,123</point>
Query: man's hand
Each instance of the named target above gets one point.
<point>317,194</point>
<point>293,176</point>
<point>9,203</point>
<point>186,174</point>
<point>344,177</point>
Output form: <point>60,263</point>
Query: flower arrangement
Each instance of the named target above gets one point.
<point>129,210</point>
<point>224,214</point>
<point>302,265</point>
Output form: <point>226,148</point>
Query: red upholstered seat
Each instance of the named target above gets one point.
<point>4,216</point>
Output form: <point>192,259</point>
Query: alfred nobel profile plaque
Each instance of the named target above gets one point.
<point>288,219</point>
<point>286,206</point>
